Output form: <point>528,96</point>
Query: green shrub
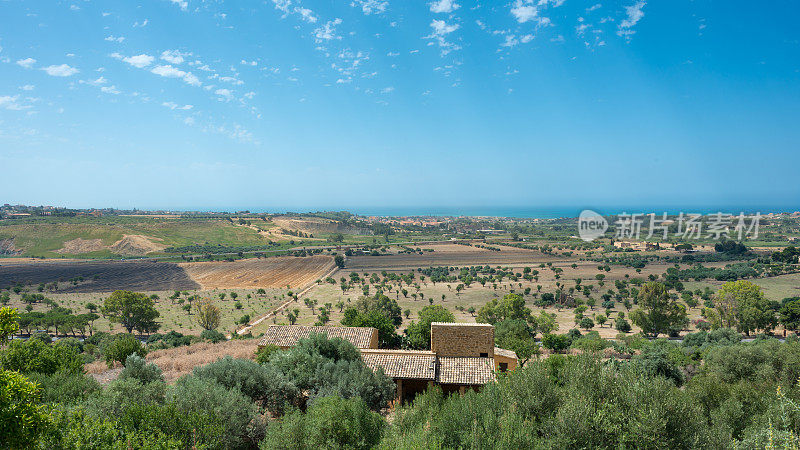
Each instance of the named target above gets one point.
<point>213,336</point>
<point>556,342</point>
<point>170,340</point>
<point>263,353</point>
<point>123,346</point>
<point>136,367</point>
<point>34,355</point>
<point>330,422</point>
<point>64,387</point>
<point>235,413</point>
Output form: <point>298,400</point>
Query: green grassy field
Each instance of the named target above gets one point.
<point>44,238</point>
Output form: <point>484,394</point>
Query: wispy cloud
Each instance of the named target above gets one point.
<point>169,71</point>
<point>440,30</point>
<point>371,6</point>
<point>634,14</point>
<point>12,103</point>
<point>26,63</point>
<point>173,56</point>
<point>183,4</point>
<point>327,32</point>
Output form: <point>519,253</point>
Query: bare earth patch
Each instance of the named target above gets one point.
<point>265,273</point>
<point>77,246</point>
<point>136,245</point>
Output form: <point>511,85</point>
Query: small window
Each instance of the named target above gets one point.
<point>484,355</point>
<point>503,367</point>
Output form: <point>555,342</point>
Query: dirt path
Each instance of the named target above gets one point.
<point>283,306</point>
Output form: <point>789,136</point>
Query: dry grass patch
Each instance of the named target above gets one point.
<point>179,361</point>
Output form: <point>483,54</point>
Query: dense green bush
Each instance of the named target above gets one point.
<point>121,347</point>
<point>170,340</point>
<point>212,336</point>
<point>238,416</point>
<point>137,368</point>
<point>263,353</point>
<point>331,422</point>
<point>34,355</point>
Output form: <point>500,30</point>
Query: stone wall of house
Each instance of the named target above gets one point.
<point>450,339</point>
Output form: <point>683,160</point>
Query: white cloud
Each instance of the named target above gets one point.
<point>306,14</point>
<point>173,72</point>
<point>387,90</point>
<point>173,106</point>
<point>440,27</point>
<point>62,70</point>
<point>172,56</point>
<point>28,87</point>
<point>141,24</point>
<point>511,41</point>
<point>444,6</point>
<point>634,14</point>
<point>110,90</point>
<point>189,121</point>
<point>250,63</point>
<point>524,12</point>
<point>370,6</point>
<point>327,32</point>
<point>117,39</point>
<point>231,80</point>
<point>182,3</point>
<point>440,30</point>
<point>224,93</point>
<point>26,63</point>
<point>140,61</point>
<point>98,82</point>
<point>12,103</point>
<point>250,94</point>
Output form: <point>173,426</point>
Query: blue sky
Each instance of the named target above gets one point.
<point>385,103</point>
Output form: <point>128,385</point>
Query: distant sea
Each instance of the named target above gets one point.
<point>525,212</point>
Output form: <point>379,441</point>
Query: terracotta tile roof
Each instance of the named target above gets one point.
<point>406,364</point>
<point>463,324</point>
<point>288,335</point>
<point>503,352</point>
<point>465,370</point>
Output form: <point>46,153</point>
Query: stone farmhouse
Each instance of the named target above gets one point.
<point>462,355</point>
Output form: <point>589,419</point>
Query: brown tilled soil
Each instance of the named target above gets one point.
<point>269,272</point>
<point>98,276</point>
<point>176,362</point>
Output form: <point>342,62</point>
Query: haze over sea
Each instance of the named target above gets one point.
<point>541,212</point>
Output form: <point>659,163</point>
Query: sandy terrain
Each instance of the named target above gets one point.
<point>79,245</point>
<point>270,272</point>
<point>136,245</point>
<point>129,245</point>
